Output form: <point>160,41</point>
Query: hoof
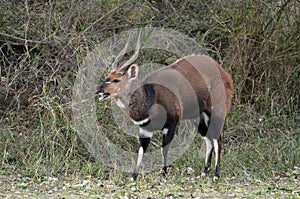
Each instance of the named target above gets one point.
<point>203,174</point>
<point>134,177</point>
<point>165,171</point>
<point>216,178</point>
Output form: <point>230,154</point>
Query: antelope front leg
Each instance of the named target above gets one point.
<point>168,135</point>
<point>144,141</point>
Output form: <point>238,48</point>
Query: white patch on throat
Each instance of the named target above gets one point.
<point>146,133</point>
<point>120,104</point>
<point>141,122</point>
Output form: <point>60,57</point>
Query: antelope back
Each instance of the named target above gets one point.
<point>194,80</point>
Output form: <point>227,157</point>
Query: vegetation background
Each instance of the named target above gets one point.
<point>43,44</point>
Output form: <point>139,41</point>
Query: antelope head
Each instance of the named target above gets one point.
<point>121,75</point>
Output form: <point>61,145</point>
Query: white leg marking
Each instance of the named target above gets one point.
<point>165,131</point>
<point>162,154</point>
<point>140,157</point>
<point>146,133</point>
<point>216,147</point>
<point>206,118</point>
<point>141,122</point>
<point>209,147</point>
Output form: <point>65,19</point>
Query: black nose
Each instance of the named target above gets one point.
<point>100,89</point>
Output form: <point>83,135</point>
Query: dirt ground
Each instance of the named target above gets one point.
<point>17,186</point>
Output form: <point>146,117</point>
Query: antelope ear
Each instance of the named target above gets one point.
<point>133,71</point>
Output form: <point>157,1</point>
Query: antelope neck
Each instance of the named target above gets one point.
<point>140,102</point>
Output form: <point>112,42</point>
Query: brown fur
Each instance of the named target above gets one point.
<point>182,90</point>
<point>194,76</point>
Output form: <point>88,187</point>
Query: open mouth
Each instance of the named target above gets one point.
<point>103,96</point>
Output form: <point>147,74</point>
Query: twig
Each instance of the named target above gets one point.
<point>22,39</point>
<point>101,18</point>
<point>279,13</point>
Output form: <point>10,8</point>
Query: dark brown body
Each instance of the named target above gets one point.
<point>183,89</point>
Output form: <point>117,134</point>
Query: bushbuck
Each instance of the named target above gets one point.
<point>193,87</point>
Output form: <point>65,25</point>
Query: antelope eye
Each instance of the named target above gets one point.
<point>116,80</point>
